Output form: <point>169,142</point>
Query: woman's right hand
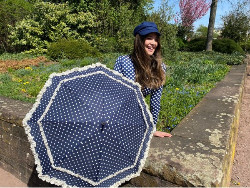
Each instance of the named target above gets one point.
<point>161,134</point>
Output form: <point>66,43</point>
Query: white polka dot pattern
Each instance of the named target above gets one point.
<point>89,127</point>
<point>125,66</point>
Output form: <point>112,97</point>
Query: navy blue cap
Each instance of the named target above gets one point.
<point>146,28</point>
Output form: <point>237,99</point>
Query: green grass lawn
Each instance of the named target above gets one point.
<point>189,78</point>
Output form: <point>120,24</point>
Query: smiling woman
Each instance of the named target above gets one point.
<point>145,66</point>
<point>151,43</point>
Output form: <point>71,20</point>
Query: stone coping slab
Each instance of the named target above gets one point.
<point>13,111</point>
<point>201,150</point>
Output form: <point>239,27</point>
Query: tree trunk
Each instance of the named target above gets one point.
<point>211,25</point>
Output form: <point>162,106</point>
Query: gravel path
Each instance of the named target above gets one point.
<point>8,180</point>
<point>241,166</point>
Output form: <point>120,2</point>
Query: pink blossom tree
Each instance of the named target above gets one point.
<point>192,10</point>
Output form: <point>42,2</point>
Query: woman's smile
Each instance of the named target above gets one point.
<point>151,43</point>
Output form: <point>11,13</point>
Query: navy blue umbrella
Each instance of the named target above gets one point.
<point>89,127</point>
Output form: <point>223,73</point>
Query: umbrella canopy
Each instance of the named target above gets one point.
<point>89,127</point>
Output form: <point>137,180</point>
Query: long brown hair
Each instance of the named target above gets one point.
<point>148,69</point>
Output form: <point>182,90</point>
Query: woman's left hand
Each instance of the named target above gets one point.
<point>161,134</point>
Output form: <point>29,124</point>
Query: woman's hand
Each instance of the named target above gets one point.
<point>161,134</point>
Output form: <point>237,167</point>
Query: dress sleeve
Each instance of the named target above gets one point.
<point>118,65</point>
<point>155,103</point>
<point>125,66</point>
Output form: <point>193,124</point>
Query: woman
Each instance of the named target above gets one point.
<point>145,66</point>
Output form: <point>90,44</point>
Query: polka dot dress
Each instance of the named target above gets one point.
<point>125,66</point>
<point>89,127</point>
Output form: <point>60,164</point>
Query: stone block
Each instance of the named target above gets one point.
<point>19,132</point>
<point>146,180</point>
<point>6,126</point>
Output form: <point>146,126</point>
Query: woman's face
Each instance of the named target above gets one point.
<point>151,42</point>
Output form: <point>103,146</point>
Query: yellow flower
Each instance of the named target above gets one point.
<point>19,80</point>
<point>23,90</point>
<point>25,83</point>
<point>177,89</point>
<point>28,68</point>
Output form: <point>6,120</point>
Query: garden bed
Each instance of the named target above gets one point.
<point>189,77</point>
<point>7,65</point>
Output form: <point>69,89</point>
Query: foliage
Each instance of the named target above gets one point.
<point>236,24</point>
<point>24,84</point>
<point>49,23</point>
<point>106,25</point>
<point>196,45</point>
<point>226,46</point>
<point>219,45</point>
<point>71,49</point>
<point>168,31</point>
<point>201,32</point>
<point>16,56</point>
<point>185,33</point>
<point>190,11</point>
<point>11,11</point>
<point>181,43</point>
<point>189,78</point>
<point>245,46</point>
<point>219,58</point>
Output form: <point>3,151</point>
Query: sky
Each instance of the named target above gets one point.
<point>223,7</point>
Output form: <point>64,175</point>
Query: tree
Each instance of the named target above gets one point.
<point>201,32</point>
<point>211,25</point>
<point>190,11</point>
<point>236,24</point>
<point>49,23</point>
<point>213,9</point>
<point>168,31</point>
<point>106,24</point>
<point>11,11</point>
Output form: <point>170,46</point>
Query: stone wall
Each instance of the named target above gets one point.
<point>200,152</point>
<point>15,154</point>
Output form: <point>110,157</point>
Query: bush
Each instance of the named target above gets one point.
<point>11,11</point>
<point>196,45</point>
<point>104,44</point>
<point>226,46</point>
<point>219,45</point>
<point>245,46</point>
<point>181,44</point>
<point>71,49</point>
<point>49,23</point>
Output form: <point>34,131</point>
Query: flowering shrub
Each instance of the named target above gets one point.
<point>192,10</point>
<point>49,23</point>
